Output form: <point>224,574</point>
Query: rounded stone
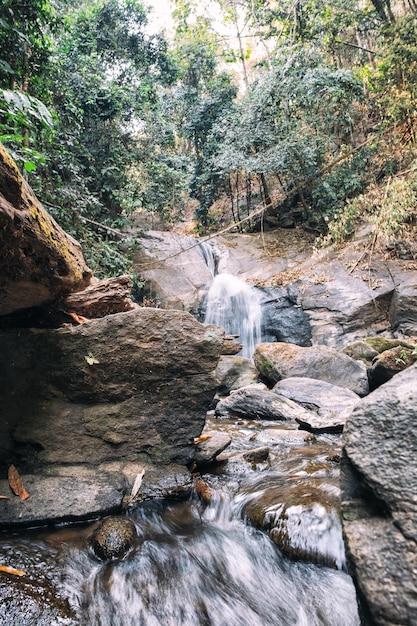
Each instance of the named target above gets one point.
<point>113,538</point>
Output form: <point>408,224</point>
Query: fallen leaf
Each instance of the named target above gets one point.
<point>78,318</point>
<point>202,438</point>
<point>12,570</point>
<point>16,484</point>
<point>203,491</point>
<point>137,483</point>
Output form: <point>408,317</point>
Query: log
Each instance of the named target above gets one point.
<point>39,261</point>
<point>111,295</point>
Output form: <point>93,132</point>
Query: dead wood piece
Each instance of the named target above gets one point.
<point>111,295</point>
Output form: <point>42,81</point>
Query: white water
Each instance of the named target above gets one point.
<point>235,305</point>
<point>198,567</point>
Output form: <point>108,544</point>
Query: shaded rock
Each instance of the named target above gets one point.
<point>276,361</point>
<point>283,319</point>
<point>39,261</point>
<point>206,451</point>
<point>113,538</point>
<point>403,311</point>
<point>379,505</point>
<point>71,395</point>
<point>234,372</point>
<point>159,482</point>
<point>328,404</point>
<point>257,402</point>
<point>390,362</point>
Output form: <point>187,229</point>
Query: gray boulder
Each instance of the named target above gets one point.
<point>257,402</point>
<point>379,503</point>
<point>234,372</point>
<point>276,361</point>
<point>328,404</point>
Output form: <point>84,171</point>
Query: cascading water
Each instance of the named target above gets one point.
<point>232,303</point>
<point>198,564</point>
<point>235,305</point>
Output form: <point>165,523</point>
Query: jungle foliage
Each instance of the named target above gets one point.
<point>289,107</point>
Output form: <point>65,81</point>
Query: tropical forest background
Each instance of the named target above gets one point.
<point>255,113</point>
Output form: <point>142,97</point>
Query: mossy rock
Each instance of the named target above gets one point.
<point>381,344</point>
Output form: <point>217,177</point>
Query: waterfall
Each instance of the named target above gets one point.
<point>235,305</point>
<point>210,255</point>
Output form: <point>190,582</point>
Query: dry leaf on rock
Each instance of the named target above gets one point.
<point>16,483</point>
<point>80,319</point>
<point>201,438</point>
<point>12,570</point>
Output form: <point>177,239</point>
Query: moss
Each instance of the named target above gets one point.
<point>380,344</point>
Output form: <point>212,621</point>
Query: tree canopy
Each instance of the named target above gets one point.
<point>244,104</point>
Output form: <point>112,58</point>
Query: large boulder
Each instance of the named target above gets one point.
<point>328,404</point>
<point>276,361</point>
<point>379,506</point>
<point>129,384</point>
<point>257,402</point>
<point>39,262</point>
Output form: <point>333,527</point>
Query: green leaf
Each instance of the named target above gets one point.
<point>29,166</point>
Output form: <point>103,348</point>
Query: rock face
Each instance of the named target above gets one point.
<point>127,385</point>
<point>379,505</point>
<point>39,261</point>
<point>281,360</point>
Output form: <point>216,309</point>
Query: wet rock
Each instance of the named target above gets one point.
<point>58,499</point>
<point>207,451</point>
<point>328,404</point>
<point>234,372</point>
<point>283,436</point>
<point>257,402</point>
<point>379,506</point>
<point>26,601</point>
<point>113,538</point>
<point>276,361</point>
<point>257,455</point>
<point>302,519</point>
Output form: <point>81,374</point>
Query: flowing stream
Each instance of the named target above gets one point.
<point>198,564</point>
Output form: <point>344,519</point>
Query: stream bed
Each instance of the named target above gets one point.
<point>262,548</point>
